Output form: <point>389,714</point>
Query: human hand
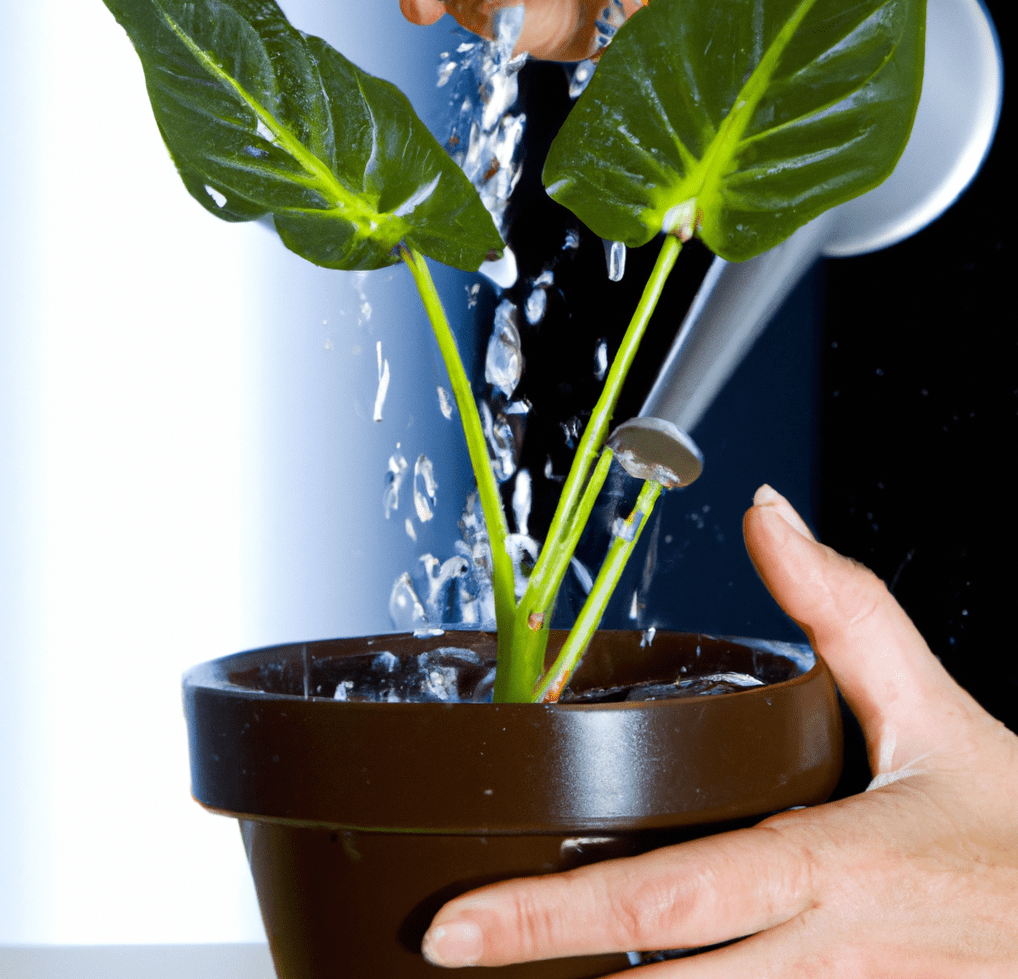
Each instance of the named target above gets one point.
<point>916,879</point>
<point>553,30</point>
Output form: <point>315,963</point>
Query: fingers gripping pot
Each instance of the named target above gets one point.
<point>362,819</point>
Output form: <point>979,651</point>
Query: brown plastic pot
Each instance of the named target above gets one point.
<point>362,819</point>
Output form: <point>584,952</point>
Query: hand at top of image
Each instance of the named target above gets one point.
<point>553,30</point>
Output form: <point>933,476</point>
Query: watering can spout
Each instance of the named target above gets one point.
<point>954,127</point>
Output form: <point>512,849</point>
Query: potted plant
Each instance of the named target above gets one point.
<point>734,125</point>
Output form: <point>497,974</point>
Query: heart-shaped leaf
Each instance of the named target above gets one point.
<point>261,119</point>
<point>741,120</point>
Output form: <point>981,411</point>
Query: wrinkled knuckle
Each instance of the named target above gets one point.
<point>862,597</point>
<point>535,924</point>
<point>800,858</point>
<point>641,913</point>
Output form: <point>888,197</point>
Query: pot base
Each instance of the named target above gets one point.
<point>308,879</point>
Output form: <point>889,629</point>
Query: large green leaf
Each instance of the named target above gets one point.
<point>262,119</point>
<point>739,120</point>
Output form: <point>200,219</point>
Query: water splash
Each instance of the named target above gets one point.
<point>507,26</point>
<point>444,675</point>
<point>425,488</point>
<point>615,257</point>
<point>503,365</point>
<point>398,467</point>
<point>485,137</point>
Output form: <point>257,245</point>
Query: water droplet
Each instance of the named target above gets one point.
<point>583,575</point>
<point>445,71</point>
<point>615,255</point>
<point>626,529</point>
<point>398,467</point>
<point>634,608</point>
<point>405,607</point>
<point>408,524</point>
<point>582,75</point>
<point>523,551</point>
<point>503,365</point>
<point>571,429</point>
<point>440,576</point>
<point>424,475</point>
<point>522,500</point>
<point>648,637</point>
<point>472,292</point>
<point>499,436</point>
<point>418,197</point>
<point>217,196</point>
<point>383,383</point>
<point>549,471</point>
<point>444,402</point>
<point>601,359</point>
<point>572,240</point>
<point>263,130</point>
<point>535,306</point>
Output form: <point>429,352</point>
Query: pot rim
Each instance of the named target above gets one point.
<point>580,768</point>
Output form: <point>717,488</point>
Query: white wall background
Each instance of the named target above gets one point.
<point>187,468</point>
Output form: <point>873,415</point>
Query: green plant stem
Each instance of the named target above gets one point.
<point>534,611</point>
<point>487,488</point>
<point>530,639</point>
<point>592,612</point>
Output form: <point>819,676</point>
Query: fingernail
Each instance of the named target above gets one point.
<point>767,496</point>
<point>454,944</point>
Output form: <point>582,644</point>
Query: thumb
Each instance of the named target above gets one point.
<point>903,698</point>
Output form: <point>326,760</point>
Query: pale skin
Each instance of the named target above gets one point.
<point>553,30</point>
<point>916,878</point>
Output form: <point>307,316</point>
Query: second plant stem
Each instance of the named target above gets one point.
<point>523,628</point>
<point>533,615</point>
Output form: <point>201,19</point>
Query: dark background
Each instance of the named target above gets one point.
<point>882,401</point>
<point>917,416</point>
